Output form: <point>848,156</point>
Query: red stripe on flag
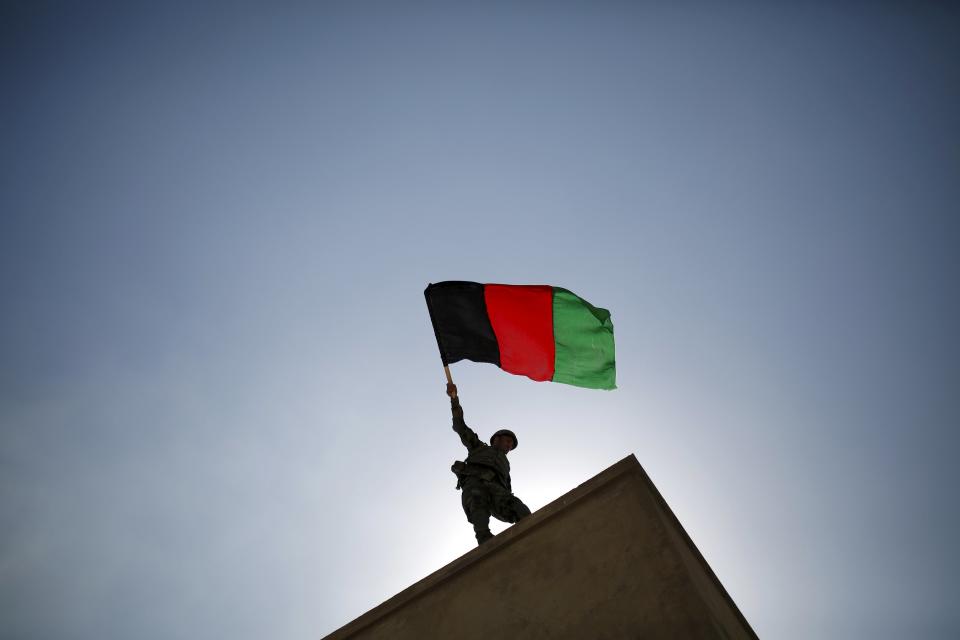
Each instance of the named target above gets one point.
<point>522,319</point>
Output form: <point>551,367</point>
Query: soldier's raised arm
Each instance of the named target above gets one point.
<point>467,436</point>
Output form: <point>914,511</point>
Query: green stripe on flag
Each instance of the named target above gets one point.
<point>583,335</point>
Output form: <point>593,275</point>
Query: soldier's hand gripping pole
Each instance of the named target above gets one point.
<point>451,388</point>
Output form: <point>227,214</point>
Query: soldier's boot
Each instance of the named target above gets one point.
<point>483,536</point>
<point>521,510</point>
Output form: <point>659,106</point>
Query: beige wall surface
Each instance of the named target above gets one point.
<point>606,561</point>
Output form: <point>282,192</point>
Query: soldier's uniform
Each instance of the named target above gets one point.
<point>485,480</point>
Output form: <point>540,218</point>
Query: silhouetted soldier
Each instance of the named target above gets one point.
<point>485,476</point>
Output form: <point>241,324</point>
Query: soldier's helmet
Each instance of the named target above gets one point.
<point>505,432</point>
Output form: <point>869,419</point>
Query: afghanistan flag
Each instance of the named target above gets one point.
<point>538,331</point>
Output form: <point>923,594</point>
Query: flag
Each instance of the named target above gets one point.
<point>538,331</point>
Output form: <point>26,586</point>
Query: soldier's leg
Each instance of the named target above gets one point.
<point>507,507</point>
<point>476,505</point>
<point>481,526</point>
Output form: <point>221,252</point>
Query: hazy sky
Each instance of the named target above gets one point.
<point>222,406</point>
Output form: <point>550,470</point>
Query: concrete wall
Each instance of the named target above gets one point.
<point>607,560</point>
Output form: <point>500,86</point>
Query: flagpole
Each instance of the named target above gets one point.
<point>446,370</point>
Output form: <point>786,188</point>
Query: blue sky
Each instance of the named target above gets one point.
<point>221,404</point>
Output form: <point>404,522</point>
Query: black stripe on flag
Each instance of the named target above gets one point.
<point>460,321</point>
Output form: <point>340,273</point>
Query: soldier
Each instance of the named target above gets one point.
<point>485,476</point>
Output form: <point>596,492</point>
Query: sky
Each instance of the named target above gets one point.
<point>222,409</point>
